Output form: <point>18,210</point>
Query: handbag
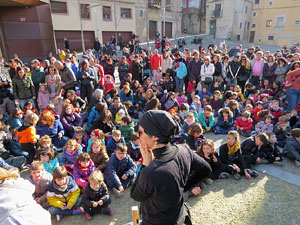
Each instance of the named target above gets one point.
<point>208,80</point>
<point>169,104</point>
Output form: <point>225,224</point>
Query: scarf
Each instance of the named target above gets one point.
<point>233,148</point>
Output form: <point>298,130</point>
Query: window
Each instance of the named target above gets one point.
<point>248,25</point>
<point>58,7</point>
<point>85,11</point>
<point>280,21</point>
<point>217,12</point>
<point>238,37</point>
<point>271,38</point>
<point>270,4</point>
<point>241,24</point>
<point>168,5</point>
<point>246,10</point>
<point>253,25</point>
<point>297,22</point>
<point>269,23</point>
<point>256,2</point>
<point>106,13</point>
<point>125,13</point>
<point>254,14</point>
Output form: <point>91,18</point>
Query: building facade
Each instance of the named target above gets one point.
<point>275,22</point>
<point>193,16</point>
<point>229,19</point>
<point>98,20</point>
<point>150,17</point>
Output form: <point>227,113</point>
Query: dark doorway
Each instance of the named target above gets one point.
<point>213,27</point>
<point>152,29</point>
<point>106,36</point>
<point>252,35</point>
<point>238,37</point>
<point>168,29</point>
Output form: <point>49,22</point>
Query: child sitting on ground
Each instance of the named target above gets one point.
<point>41,180</point>
<point>195,137</point>
<point>292,147</point>
<point>120,171</point>
<point>276,155</point>
<point>216,103</point>
<point>96,134</point>
<point>189,122</point>
<point>282,130</point>
<point>265,125</point>
<point>43,96</point>
<point>81,138</point>
<point>16,119</point>
<point>127,128</point>
<point>27,135</point>
<point>206,119</point>
<point>197,104</point>
<point>275,110</point>
<point>233,105</point>
<point>45,142</point>
<point>258,108</point>
<point>225,121</point>
<point>219,170</point>
<point>244,124</point>
<point>83,167</point>
<point>48,157</point>
<point>15,146</point>
<point>113,141</point>
<point>133,148</point>
<point>98,155</point>
<point>70,153</point>
<point>63,194</point>
<point>95,198</point>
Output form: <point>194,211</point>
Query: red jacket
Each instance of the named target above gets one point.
<point>246,125</point>
<point>101,71</point>
<point>108,87</point>
<point>190,86</point>
<point>155,61</point>
<point>275,114</point>
<point>255,111</point>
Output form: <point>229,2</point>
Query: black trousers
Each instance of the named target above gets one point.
<point>96,210</point>
<point>86,92</point>
<point>30,148</point>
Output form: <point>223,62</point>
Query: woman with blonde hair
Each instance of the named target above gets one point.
<point>16,192</point>
<point>49,125</point>
<point>244,73</point>
<point>231,154</point>
<point>126,94</point>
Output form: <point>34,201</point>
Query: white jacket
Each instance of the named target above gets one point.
<point>207,71</point>
<point>166,64</point>
<point>17,205</point>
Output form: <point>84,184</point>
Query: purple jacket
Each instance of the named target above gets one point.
<point>71,121</point>
<point>78,173</point>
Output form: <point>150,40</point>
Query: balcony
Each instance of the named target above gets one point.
<point>156,4</point>
<point>216,13</point>
<point>127,1</point>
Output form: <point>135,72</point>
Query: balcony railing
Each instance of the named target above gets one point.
<point>216,13</point>
<point>154,4</point>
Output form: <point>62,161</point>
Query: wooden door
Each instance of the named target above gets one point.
<point>213,27</point>
<point>152,29</point>
<point>252,36</point>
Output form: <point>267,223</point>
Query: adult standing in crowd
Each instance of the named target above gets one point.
<point>123,68</point>
<point>194,66</point>
<point>86,78</point>
<point>156,60</point>
<point>293,90</point>
<point>269,69</point>
<point>67,75</point>
<point>281,69</point>
<point>37,74</point>
<point>165,172</point>
<point>53,82</point>
<point>6,98</point>
<point>257,65</point>
<point>23,88</point>
<point>67,43</point>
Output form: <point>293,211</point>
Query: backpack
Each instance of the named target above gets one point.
<point>157,43</point>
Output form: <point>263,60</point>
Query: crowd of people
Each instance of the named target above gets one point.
<point>66,119</point>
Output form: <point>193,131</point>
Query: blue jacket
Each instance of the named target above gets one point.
<point>51,132</point>
<point>16,123</point>
<point>202,94</point>
<point>86,81</point>
<point>51,165</point>
<point>16,148</point>
<point>126,97</point>
<point>181,71</point>
<point>225,125</point>
<point>4,165</point>
<point>116,168</point>
<point>93,116</point>
<point>112,144</point>
<point>69,159</point>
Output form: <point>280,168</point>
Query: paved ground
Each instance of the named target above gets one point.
<point>268,199</point>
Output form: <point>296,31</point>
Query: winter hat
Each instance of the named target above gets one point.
<point>160,124</point>
<point>108,96</point>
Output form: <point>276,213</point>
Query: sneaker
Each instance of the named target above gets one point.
<point>58,218</point>
<point>78,211</point>
<point>237,176</point>
<point>252,173</point>
<point>278,163</point>
<point>108,211</point>
<point>297,163</point>
<point>118,193</point>
<point>224,175</point>
<point>88,216</point>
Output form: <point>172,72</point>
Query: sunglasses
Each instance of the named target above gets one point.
<point>18,114</point>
